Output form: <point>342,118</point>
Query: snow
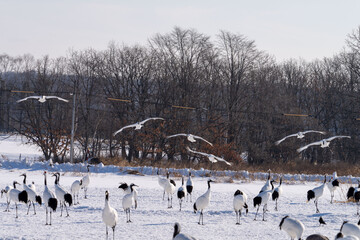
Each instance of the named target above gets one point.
<point>152,219</point>
<point>16,147</point>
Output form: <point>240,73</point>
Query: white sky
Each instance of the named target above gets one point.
<point>306,29</point>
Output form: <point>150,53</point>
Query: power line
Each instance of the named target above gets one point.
<point>174,106</point>
<point>119,100</point>
<point>296,115</point>
<point>19,91</point>
<point>182,107</point>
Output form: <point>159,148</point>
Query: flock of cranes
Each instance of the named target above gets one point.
<point>292,226</point>
<point>295,228</point>
<point>323,143</point>
<point>190,137</point>
<point>50,198</point>
<point>63,198</point>
<point>213,159</point>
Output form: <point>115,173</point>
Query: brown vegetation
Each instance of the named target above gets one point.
<point>342,169</point>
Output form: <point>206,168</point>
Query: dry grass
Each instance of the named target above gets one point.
<point>228,180</point>
<point>342,169</point>
<point>306,168</point>
<point>134,172</point>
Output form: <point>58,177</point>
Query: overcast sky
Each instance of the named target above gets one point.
<point>306,29</point>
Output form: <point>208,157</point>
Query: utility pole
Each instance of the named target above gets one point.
<point>72,130</point>
<point>2,113</point>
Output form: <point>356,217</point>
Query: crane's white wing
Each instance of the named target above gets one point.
<point>177,135</point>
<point>59,98</point>
<point>31,97</point>
<point>222,160</point>
<point>292,135</point>
<point>121,129</point>
<point>332,138</point>
<point>310,131</point>
<point>148,119</point>
<point>211,157</point>
<point>197,137</point>
<point>63,99</point>
<point>311,144</point>
<point>201,153</point>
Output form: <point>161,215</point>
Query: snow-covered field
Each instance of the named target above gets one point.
<point>152,219</point>
<point>15,147</point>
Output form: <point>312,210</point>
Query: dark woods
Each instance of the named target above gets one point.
<point>235,94</point>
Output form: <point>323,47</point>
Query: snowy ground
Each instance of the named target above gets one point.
<point>153,220</point>
<point>15,147</point>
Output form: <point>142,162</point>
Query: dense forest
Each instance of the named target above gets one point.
<point>223,89</point>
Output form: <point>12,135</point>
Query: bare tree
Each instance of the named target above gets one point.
<point>83,69</point>
<point>239,57</point>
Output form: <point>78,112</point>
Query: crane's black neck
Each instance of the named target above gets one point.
<point>14,183</point>
<point>272,185</point>
<point>209,184</point>
<point>45,179</point>
<point>176,230</point>
<point>24,178</point>
<point>343,225</point>
<point>282,221</point>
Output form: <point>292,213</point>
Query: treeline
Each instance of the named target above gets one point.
<point>225,90</point>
